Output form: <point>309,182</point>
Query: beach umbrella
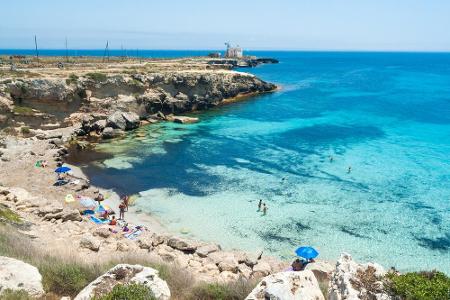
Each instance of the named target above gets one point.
<point>62,170</point>
<point>87,202</point>
<point>307,252</point>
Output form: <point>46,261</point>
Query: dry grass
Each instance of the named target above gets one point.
<point>65,274</point>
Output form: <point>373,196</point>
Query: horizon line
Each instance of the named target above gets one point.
<point>245,50</point>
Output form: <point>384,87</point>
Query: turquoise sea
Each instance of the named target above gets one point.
<point>387,115</point>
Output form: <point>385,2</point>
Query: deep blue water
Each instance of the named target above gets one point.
<point>387,115</point>
<point>112,52</point>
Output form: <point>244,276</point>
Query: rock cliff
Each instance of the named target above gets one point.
<point>49,100</point>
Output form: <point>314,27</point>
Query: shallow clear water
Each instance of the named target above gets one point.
<point>387,115</point>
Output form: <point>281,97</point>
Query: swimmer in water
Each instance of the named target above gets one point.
<point>331,158</point>
<point>259,204</point>
<point>349,169</point>
<point>265,208</point>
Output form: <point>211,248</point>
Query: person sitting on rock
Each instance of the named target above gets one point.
<point>297,265</point>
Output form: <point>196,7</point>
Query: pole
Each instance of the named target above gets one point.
<point>36,45</point>
<point>67,52</point>
<point>106,52</point>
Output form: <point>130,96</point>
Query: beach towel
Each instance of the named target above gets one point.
<point>98,221</point>
<point>133,235</point>
<point>69,198</point>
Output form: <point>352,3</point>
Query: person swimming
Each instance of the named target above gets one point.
<point>349,169</point>
<point>331,158</point>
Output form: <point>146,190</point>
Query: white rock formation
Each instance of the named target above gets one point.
<point>346,284</point>
<point>124,274</point>
<point>288,286</point>
<point>17,275</point>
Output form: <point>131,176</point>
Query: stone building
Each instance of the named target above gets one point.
<point>233,52</point>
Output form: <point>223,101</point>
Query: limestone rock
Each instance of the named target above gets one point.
<point>17,275</point>
<point>102,232</point>
<point>71,215</point>
<point>109,133</point>
<point>49,210</point>
<point>261,269</point>
<point>5,105</point>
<point>42,89</point>
<point>99,125</point>
<point>89,242</point>
<point>132,120</point>
<point>123,120</point>
<point>227,276</point>
<point>182,244</point>
<point>116,121</point>
<point>204,250</point>
<point>125,274</point>
<point>145,242</point>
<point>346,283</point>
<point>321,269</point>
<point>287,286</point>
<point>184,120</point>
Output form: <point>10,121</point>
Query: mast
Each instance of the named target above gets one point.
<point>36,45</point>
<point>67,52</point>
<point>106,51</point>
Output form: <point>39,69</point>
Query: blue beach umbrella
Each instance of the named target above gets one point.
<point>62,170</point>
<point>307,252</point>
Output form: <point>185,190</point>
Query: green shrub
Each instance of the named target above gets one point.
<point>65,278</point>
<point>129,292</point>
<point>97,77</point>
<point>9,215</point>
<point>15,295</point>
<point>212,292</point>
<point>25,130</point>
<point>23,110</point>
<point>420,286</point>
<point>72,79</point>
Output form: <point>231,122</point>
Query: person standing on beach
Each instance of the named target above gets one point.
<point>259,204</point>
<point>125,200</point>
<point>99,198</point>
<point>122,211</point>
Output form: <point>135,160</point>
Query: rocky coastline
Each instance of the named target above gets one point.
<point>44,114</point>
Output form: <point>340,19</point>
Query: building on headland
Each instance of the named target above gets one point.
<point>233,52</point>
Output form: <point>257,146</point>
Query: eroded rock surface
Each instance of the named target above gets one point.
<point>354,281</point>
<point>17,275</point>
<point>125,274</point>
<point>288,286</point>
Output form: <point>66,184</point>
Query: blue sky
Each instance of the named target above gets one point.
<point>405,25</point>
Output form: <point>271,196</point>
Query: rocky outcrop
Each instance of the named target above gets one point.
<point>50,101</point>
<point>287,286</point>
<point>42,89</point>
<point>125,274</point>
<point>353,281</point>
<point>17,275</point>
<point>90,242</point>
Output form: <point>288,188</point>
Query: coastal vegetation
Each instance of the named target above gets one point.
<point>131,291</point>
<point>420,285</point>
<point>23,110</point>
<point>63,274</point>
<point>97,76</point>
<point>73,78</point>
